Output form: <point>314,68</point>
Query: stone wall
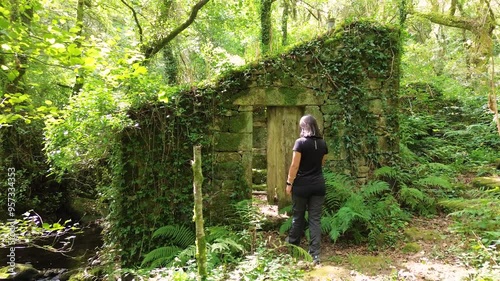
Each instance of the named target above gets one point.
<point>348,80</point>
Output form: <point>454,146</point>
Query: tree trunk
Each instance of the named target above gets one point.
<point>265,25</point>
<point>171,65</point>
<point>79,79</point>
<point>482,29</point>
<point>23,14</point>
<point>284,23</point>
<point>201,243</point>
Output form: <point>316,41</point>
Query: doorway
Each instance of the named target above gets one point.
<point>282,131</point>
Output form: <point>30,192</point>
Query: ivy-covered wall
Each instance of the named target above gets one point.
<point>348,79</point>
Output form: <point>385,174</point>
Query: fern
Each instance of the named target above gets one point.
<point>411,196</point>
<point>215,232</point>
<point>434,181</point>
<point>299,252</point>
<point>177,234</point>
<point>338,189</point>
<point>223,245</point>
<point>161,256</point>
<point>374,188</point>
<point>386,171</point>
<point>285,210</point>
<point>286,226</point>
<point>185,255</point>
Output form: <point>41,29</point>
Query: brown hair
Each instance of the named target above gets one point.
<point>309,127</point>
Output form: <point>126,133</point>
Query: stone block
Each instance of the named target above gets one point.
<point>376,106</point>
<point>241,123</point>
<point>228,170</point>
<point>221,157</point>
<point>233,141</point>
<point>259,137</point>
<point>259,160</point>
<point>279,96</point>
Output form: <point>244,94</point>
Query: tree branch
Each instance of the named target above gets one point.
<point>155,47</point>
<point>134,13</point>
<point>451,21</point>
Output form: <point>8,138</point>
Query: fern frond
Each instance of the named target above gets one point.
<point>359,207</point>
<point>299,252</point>
<point>433,168</point>
<point>178,234</point>
<point>161,262</point>
<point>434,181</point>
<point>374,188</point>
<point>386,171</point>
<point>215,232</point>
<point>160,255</point>
<point>226,244</point>
<point>327,222</point>
<point>185,255</point>
<point>286,209</point>
<point>286,226</point>
<point>338,180</point>
<point>338,188</point>
<point>344,219</point>
<point>411,196</point>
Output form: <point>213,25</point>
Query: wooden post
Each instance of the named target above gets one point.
<point>201,243</point>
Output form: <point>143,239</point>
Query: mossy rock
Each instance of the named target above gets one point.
<point>88,274</point>
<point>417,234</point>
<point>23,272</point>
<point>411,247</point>
<point>370,265</point>
<point>488,182</point>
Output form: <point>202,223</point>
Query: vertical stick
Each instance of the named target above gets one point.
<point>201,243</point>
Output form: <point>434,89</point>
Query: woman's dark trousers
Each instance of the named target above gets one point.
<point>314,206</point>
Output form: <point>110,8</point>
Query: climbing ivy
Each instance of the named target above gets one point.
<point>152,183</point>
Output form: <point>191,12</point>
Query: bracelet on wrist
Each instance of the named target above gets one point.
<point>287,183</point>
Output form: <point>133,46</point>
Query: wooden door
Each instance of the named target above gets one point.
<point>282,131</point>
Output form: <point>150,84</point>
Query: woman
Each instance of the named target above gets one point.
<point>306,177</point>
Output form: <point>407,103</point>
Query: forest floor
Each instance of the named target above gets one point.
<point>431,251</point>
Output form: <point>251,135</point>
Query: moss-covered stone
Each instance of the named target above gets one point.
<point>279,96</point>
<point>260,137</point>
<point>411,247</point>
<point>19,272</point>
<point>417,234</point>
<point>241,123</point>
<point>226,170</point>
<point>233,141</point>
<point>259,160</point>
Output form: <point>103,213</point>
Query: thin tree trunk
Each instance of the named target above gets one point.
<point>201,243</point>
<point>265,25</point>
<point>284,23</point>
<point>79,79</point>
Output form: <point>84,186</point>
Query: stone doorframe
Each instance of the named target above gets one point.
<point>285,105</point>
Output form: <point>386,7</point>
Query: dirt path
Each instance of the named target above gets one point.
<point>434,255</point>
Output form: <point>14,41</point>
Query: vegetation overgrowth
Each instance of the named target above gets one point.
<point>70,76</point>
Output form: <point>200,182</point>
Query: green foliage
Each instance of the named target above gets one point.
<point>32,231</point>
<point>177,234</point>
<point>223,246</point>
<point>365,213</point>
